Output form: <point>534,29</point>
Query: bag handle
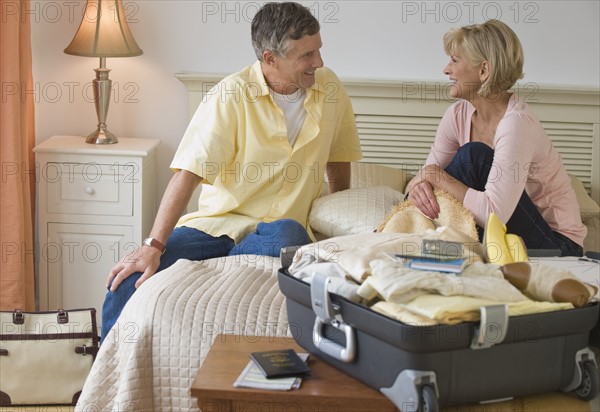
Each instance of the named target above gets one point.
<point>18,317</point>
<point>62,317</point>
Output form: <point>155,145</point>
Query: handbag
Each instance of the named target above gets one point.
<point>45,357</point>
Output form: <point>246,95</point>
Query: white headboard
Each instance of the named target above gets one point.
<point>397,120</point>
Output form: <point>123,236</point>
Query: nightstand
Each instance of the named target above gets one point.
<point>326,389</point>
<point>95,203</point>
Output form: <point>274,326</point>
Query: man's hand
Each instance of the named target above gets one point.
<point>145,259</point>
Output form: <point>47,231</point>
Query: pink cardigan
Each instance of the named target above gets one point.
<point>524,159</point>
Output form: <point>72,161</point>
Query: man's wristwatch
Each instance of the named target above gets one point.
<point>150,241</point>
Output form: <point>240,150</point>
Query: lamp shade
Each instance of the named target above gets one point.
<point>103,32</point>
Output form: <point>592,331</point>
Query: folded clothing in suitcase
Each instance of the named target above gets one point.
<point>423,367</point>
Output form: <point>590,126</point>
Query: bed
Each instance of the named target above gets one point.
<point>149,361</point>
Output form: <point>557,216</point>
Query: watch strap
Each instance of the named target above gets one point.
<point>150,241</point>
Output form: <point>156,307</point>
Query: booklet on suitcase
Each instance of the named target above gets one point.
<point>450,266</point>
<point>436,263</point>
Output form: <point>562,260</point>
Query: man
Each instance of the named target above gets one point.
<point>260,143</point>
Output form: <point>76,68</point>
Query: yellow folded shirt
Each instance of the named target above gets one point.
<point>456,309</point>
<point>395,311</point>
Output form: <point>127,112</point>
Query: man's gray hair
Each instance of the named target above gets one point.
<point>276,24</point>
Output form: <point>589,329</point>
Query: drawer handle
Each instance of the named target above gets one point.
<point>89,190</point>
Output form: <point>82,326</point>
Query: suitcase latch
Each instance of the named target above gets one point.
<point>327,313</point>
<point>321,303</point>
<point>492,328</point>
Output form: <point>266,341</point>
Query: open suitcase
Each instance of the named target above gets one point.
<point>420,368</point>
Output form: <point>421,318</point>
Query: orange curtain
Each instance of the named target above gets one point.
<point>17,137</point>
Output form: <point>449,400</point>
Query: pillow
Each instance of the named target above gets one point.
<point>587,206</point>
<point>353,211</point>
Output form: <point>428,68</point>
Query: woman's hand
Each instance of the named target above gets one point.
<point>145,259</point>
<point>421,195</point>
<point>420,191</point>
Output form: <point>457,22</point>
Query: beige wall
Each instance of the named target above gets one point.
<point>374,39</point>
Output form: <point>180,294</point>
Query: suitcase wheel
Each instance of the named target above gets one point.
<point>429,400</point>
<point>590,382</point>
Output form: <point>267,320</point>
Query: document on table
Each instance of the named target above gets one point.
<point>253,377</point>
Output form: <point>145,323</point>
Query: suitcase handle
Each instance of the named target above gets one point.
<point>344,353</point>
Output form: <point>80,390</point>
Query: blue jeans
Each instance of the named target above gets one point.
<point>472,164</point>
<point>193,244</point>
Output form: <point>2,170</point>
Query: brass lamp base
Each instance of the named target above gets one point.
<point>102,85</point>
<point>102,136</point>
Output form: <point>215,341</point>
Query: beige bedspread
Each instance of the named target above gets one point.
<point>150,359</point>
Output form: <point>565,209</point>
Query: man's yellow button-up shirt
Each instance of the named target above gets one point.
<point>237,142</point>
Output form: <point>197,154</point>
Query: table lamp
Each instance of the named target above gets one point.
<point>103,33</point>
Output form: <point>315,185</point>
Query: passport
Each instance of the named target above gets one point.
<point>280,363</point>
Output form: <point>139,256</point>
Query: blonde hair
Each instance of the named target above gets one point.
<point>492,41</point>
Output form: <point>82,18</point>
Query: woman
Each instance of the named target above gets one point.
<point>491,151</point>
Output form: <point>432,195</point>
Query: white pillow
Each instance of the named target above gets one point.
<point>352,211</point>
